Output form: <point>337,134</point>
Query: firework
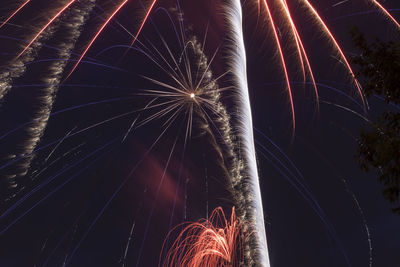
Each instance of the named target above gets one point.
<point>213,242</point>
<point>263,7</point>
<point>196,93</point>
<point>193,95</point>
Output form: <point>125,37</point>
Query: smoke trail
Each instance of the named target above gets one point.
<point>250,206</point>
<point>71,29</point>
<point>14,70</point>
<point>224,141</point>
<point>225,144</point>
<point>17,67</point>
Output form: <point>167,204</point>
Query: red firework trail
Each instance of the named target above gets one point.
<point>301,50</point>
<point>96,36</point>
<point>105,24</point>
<point>285,70</point>
<point>384,10</point>
<point>15,12</point>
<point>144,21</point>
<point>303,56</point>
<point>339,49</point>
<point>47,25</point>
<point>208,243</point>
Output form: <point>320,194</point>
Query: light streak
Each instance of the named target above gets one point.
<point>364,220</point>
<point>249,205</point>
<point>300,46</point>
<point>144,21</point>
<point>386,12</point>
<point>15,13</point>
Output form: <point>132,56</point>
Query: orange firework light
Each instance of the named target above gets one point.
<point>212,242</point>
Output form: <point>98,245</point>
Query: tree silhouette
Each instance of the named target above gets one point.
<point>379,146</point>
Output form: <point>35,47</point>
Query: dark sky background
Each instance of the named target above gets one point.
<point>317,203</point>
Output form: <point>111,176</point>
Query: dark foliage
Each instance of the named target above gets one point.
<point>379,146</point>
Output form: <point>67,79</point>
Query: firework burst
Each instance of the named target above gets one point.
<point>213,242</point>
<point>193,92</point>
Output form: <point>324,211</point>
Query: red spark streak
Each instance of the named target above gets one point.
<point>278,43</point>
<point>144,21</point>
<point>15,13</point>
<point>379,5</point>
<point>208,243</point>
<point>338,48</point>
<point>47,25</point>
<point>303,52</point>
<point>294,31</point>
<point>96,35</point>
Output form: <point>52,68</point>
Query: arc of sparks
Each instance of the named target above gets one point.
<point>338,48</point>
<point>283,61</point>
<point>294,31</point>
<point>386,12</point>
<point>301,50</point>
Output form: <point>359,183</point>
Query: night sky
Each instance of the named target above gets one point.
<point>87,186</point>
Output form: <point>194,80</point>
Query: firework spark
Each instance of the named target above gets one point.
<point>195,96</point>
<point>214,242</point>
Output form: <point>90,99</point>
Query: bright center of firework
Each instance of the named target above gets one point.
<point>192,95</point>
